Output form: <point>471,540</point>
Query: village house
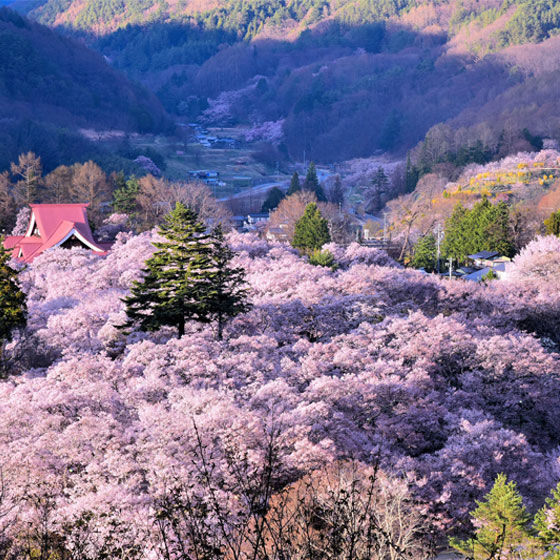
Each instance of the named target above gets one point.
<point>278,233</point>
<point>54,225</point>
<point>482,263</point>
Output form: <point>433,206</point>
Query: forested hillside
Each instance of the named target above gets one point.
<point>51,85</point>
<point>345,78</point>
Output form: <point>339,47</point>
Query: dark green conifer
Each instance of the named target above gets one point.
<point>312,184</point>
<point>295,185</point>
<point>13,309</point>
<point>337,191</point>
<point>174,288</point>
<point>456,236</point>
<point>311,230</point>
<point>497,232</point>
<point>274,197</point>
<point>486,227</point>
<point>425,253</point>
<point>477,222</point>
<point>379,188</point>
<point>227,292</point>
<point>412,175</point>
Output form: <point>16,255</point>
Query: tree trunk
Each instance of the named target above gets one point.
<point>181,327</point>
<point>3,368</point>
<point>405,244</point>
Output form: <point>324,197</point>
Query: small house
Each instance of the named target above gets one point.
<point>483,259</point>
<point>278,233</point>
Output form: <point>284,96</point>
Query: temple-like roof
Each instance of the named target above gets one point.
<point>50,226</point>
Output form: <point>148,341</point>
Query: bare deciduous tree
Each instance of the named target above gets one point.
<point>248,511</point>
<point>157,197</point>
<point>89,184</point>
<point>28,172</point>
<point>58,183</point>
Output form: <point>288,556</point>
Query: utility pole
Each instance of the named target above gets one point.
<point>385,229</point>
<point>439,237</point>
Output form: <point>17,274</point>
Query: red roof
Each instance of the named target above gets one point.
<point>51,225</point>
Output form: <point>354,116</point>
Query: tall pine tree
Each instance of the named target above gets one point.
<point>378,190</point>
<point>174,289</point>
<point>337,191</point>
<point>497,231</point>
<point>456,236</point>
<point>295,185</point>
<point>411,176</point>
<point>425,253</point>
<point>227,292</point>
<point>312,184</point>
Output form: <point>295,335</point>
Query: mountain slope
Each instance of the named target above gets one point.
<point>52,78</point>
<point>518,21</point>
<point>346,78</point>
<point>50,86</point>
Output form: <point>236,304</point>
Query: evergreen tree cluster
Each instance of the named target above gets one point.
<point>425,253</point>
<point>189,278</point>
<point>485,227</point>
<point>311,183</point>
<point>379,187</point>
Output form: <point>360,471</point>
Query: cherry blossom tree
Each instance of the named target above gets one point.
<point>434,386</point>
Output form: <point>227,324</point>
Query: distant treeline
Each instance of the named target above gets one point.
<point>529,20</point>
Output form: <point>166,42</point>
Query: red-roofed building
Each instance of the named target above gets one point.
<point>54,225</point>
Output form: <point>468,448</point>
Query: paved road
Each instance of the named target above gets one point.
<point>255,190</point>
<point>448,556</point>
<point>322,174</point>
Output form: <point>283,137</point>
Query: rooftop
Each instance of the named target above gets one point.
<point>484,255</point>
<point>54,225</point>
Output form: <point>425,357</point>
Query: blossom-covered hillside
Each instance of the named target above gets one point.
<point>439,384</point>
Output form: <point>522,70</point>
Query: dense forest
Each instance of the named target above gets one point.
<point>50,86</point>
<point>345,78</point>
